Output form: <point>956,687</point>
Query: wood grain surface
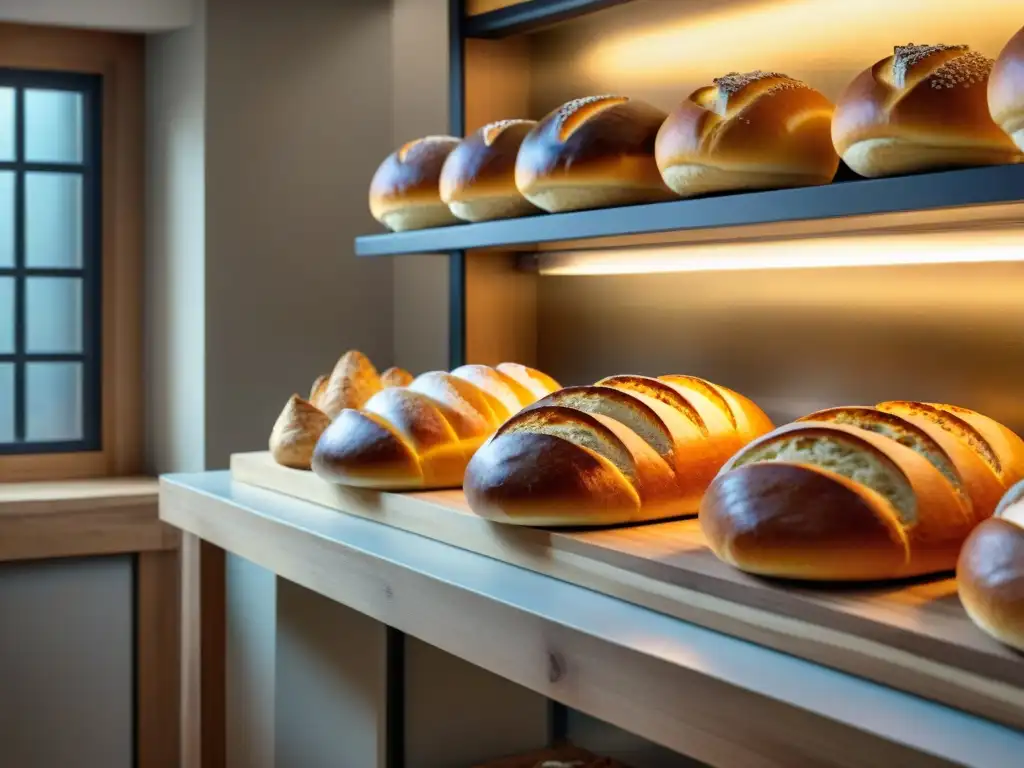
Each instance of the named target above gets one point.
<point>911,636</point>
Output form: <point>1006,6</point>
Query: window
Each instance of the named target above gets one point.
<point>50,259</point>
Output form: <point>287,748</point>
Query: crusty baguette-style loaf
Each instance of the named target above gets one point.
<point>759,130</point>
<point>922,108</point>
<point>352,382</point>
<point>404,192</point>
<point>1006,89</point>
<point>627,449</point>
<point>990,572</point>
<point>423,435</point>
<point>859,493</point>
<point>478,181</point>
<point>592,153</point>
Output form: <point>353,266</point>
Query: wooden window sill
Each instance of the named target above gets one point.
<point>105,516</point>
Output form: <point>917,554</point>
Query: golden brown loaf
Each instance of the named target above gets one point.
<point>404,192</point>
<point>295,433</point>
<point>758,130</point>
<point>592,153</point>
<point>627,449</point>
<point>1006,89</point>
<point>423,435</point>
<point>353,381</point>
<point>990,572</point>
<point>922,108</point>
<point>861,493</point>
<point>395,377</point>
<point>478,181</point>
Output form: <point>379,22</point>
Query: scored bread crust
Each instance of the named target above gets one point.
<point>753,131</point>
<point>628,449</point>
<point>423,435</point>
<point>924,107</point>
<point>592,153</point>
<point>954,456</point>
<point>404,192</point>
<point>478,180</point>
<point>1006,89</point>
<point>748,494</point>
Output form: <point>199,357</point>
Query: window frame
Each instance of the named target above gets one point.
<point>89,168</point>
<point>118,59</point>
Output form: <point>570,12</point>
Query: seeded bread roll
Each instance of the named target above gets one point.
<point>628,449</point>
<point>759,130</point>
<point>478,181</point>
<point>808,502</point>
<point>423,436</point>
<point>592,153</point>
<point>990,572</point>
<point>1006,89</point>
<point>923,108</point>
<point>404,193</point>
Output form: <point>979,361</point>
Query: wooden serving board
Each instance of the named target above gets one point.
<point>911,636</point>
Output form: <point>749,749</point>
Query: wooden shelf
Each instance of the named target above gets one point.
<point>925,200</point>
<point>718,699</point>
<point>917,637</point>
<point>523,17</point>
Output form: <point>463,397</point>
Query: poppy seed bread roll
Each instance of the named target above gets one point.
<point>923,108</point>
<point>758,130</point>
<point>478,181</point>
<point>404,193</point>
<point>594,152</point>
<point>1006,89</point>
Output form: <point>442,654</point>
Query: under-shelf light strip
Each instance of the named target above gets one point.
<point>869,251</point>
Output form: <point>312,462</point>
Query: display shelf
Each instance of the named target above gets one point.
<point>975,194</point>
<point>916,637</point>
<point>529,16</point>
<point>716,698</point>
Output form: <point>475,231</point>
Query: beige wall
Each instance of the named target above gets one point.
<point>128,15</point>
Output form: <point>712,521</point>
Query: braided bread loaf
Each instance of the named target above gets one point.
<point>861,493</point>
<point>990,571</point>
<point>423,435</point>
<point>628,449</point>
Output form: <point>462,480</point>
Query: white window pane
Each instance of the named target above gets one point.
<point>6,218</point>
<point>53,220</point>
<point>53,126</point>
<point>53,314</point>
<point>6,402</point>
<point>53,402</point>
<point>7,124</point>
<point>6,315</point>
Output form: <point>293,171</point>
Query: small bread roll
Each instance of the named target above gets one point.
<point>478,181</point>
<point>759,130</point>
<point>353,381</point>
<point>922,108</point>
<point>404,192</point>
<point>296,432</point>
<point>990,572</point>
<point>1006,89</point>
<point>395,377</point>
<point>592,153</point>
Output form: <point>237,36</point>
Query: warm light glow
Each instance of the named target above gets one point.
<point>823,41</point>
<point>809,253</point>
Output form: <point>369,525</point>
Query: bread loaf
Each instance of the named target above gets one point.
<point>859,493</point>
<point>352,382</point>
<point>423,435</point>
<point>478,181</point>
<point>1006,89</point>
<point>627,449</point>
<point>990,572</point>
<point>922,108</point>
<point>758,130</point>
<point>404,193</point>
<point>592,153</point>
